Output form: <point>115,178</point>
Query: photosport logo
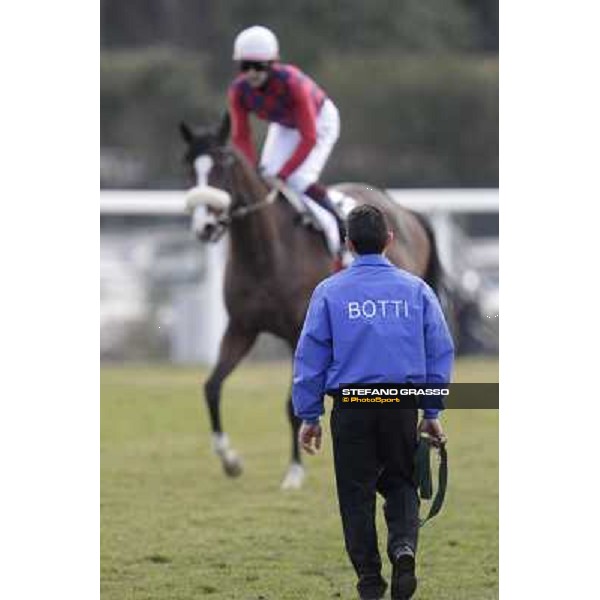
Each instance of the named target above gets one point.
<point>417,396</point>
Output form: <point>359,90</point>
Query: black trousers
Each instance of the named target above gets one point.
<point>374,451</point>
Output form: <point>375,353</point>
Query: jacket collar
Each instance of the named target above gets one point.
<point>377,260</point>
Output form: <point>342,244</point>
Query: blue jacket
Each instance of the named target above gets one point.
<point>372,323</point>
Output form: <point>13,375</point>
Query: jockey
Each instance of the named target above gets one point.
<point>304,122</point>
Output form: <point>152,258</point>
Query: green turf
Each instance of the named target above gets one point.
<point>173,527</point>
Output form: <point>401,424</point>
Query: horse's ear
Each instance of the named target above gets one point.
<point>186,132</point>
<point>224,129</point>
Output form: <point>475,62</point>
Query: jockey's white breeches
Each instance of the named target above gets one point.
<point>282,141</point>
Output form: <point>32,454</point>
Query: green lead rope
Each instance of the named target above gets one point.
<point>424,480</point>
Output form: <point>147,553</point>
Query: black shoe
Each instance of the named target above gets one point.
<point>372,588</point>
<point>404,582</point>
<point>372,595</point>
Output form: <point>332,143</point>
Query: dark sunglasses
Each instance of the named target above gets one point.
<point>246,65</point>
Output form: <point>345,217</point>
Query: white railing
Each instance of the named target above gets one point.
<point>153,202</point>
<point>196,332</point>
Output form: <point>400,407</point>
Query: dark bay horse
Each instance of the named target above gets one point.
<point>274,263</point>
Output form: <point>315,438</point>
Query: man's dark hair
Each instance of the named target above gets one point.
<point>367,229</point>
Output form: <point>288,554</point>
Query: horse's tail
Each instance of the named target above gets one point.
<point>437,277</point>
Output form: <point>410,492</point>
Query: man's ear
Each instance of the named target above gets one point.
<point>350,245</point>
<point>390,239</point>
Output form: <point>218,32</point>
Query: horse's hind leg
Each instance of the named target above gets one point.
<point>235,345</point>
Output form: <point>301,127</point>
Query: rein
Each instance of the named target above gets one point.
<point>424,479</point>
<point>246,208</point>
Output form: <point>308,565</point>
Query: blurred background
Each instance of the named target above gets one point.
<point>416,82</point>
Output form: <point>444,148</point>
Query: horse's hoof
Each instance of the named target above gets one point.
<point>232,467</point>
<point>294,478</point>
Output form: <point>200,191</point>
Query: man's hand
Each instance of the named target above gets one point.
<point>433,428</point>
<point>309,437</point>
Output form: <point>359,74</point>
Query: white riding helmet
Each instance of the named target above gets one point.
<point>256,43</point>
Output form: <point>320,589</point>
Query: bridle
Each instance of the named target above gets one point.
<point>226,159</point>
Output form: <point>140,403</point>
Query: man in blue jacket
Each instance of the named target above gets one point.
<point>372,323</point>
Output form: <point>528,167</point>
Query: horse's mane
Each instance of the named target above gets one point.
<point>245,163</point>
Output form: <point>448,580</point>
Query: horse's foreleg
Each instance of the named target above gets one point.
<point>235,345</point>
<point>295,423</point>
<point>295,474</point>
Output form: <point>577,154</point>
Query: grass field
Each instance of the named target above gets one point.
<point>174,527</point>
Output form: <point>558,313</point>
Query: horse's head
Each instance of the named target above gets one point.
<point>208,159</point>
<point>205,142</point>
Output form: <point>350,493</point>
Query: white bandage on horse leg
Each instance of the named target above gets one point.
<point>221,447</point>
<point>294,478</point>
<point>220,443</point>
